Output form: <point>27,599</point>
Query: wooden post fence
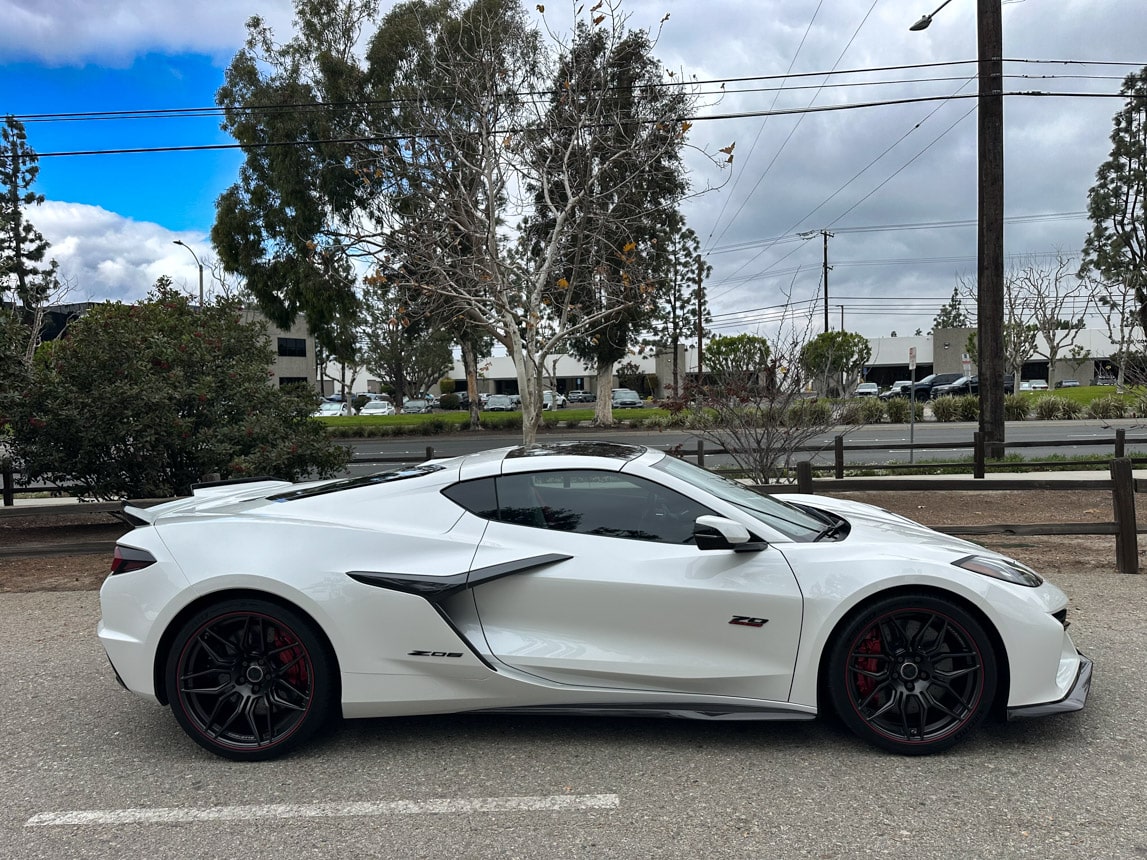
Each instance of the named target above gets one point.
<point>1123,500</point>
<point>804,477</point>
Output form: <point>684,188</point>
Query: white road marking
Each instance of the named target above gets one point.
<point>180,815</point>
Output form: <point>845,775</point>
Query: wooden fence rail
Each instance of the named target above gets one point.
<point>1121,485</point>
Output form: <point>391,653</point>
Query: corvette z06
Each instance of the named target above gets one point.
<point>573,577</point>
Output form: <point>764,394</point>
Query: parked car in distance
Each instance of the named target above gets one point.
<point>963,385</point>
<point>625,398</point>
<point>417,406</point>
<point>1067,383</point>
<point>1039,385</point>
<point>553,400</point>
<point>377,407</point>
<point>1025,385</point>
<point>1103,379</point>
<point>898,389</point>
<point>924,387</point>
<point>329,408</point>
<point>867,389</point>
<point>499,403</point>
<point>581,397</point>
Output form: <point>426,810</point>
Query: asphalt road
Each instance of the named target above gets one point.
<point>79,753</point>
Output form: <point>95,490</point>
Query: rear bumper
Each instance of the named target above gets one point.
<point>1074,700</point>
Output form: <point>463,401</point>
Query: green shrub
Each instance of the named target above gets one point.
<point>1048,407</point>
<point>450,401</point>
<point>900,409</point>
<point>1016,407</point>
<point>851,412</point>
<point>945,409</point>
<point>1069,408</point>
<point>809,413</point>
<point>871,410</point>
<point>1111,406</point>
<point>969,406</point>
<point>551,419</point>
<point>502,421</point>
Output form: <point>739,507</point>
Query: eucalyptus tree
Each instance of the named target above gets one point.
<point>835,359</point>
<point>605,162</point>
<point>400,343</point>
<point>680,300</point>
<point>479,156</point>
<point>422,153</point>
<point>296,109</point>
<point>1116,247</point>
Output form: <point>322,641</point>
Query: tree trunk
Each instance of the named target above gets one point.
<point>603,408</point>
<point>529,368</point>
<point>470,366</point>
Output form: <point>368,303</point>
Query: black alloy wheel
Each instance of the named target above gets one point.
<point>913,674</point>
<point>248,679</point>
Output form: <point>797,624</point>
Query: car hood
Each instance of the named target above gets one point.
<point>871,523</point>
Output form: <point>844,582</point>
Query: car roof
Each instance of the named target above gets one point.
<point>572,454</point>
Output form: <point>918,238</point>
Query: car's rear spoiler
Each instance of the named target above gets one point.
<point>206,494</point>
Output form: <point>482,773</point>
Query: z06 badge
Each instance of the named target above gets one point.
<point>746,621</point>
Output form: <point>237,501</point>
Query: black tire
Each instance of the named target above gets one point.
<point>912,674</point>
<point>249,680</point>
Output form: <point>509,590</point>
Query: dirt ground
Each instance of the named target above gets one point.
<point>29,571</point>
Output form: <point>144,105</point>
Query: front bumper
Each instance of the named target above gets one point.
<point>1074,700</point>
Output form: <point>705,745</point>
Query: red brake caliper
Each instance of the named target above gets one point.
<point>870,645</point>
<point>292,652</point>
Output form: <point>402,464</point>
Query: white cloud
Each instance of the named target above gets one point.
<point>67,32</point>
<point>104,256</point>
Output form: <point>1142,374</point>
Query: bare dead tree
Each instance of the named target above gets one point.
<point>758,403</point>
<point>1053,295</point>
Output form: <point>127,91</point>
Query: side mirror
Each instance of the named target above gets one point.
<point>711,532</point>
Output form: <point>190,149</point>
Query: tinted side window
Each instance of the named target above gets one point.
<point>603,504</point>
<point>475,496</point>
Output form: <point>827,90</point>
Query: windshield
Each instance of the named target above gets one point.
<point>789,520</point>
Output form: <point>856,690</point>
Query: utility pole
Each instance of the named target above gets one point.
<point>990,254</point>
<point>826,235</point>
<point>990,218</point>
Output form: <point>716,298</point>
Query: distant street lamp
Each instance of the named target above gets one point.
<point>923,23</point>
<point>990,218</point>
<point>200,265</point>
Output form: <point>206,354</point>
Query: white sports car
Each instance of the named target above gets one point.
<point>586,577</point>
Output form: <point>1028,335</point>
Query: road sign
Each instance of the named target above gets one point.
<point>911,358</point>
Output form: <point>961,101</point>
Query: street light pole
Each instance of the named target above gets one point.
<point>200,265</point>
<point>990,219</point>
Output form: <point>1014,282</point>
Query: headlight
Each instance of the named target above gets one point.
<point>1000,568</point>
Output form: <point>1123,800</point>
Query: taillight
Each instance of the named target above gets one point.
<point>127,559</point>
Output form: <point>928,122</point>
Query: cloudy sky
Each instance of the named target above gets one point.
<point>895,183</point>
